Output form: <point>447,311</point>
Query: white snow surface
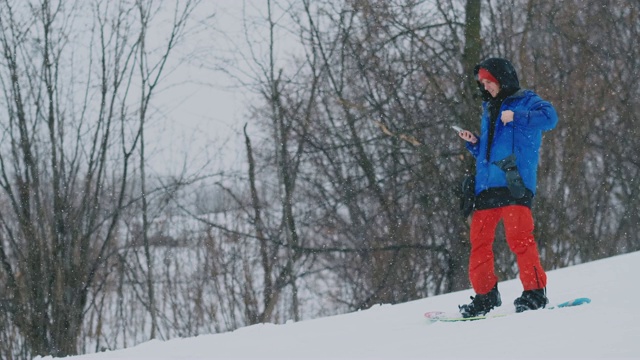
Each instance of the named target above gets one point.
<point>608,327</point>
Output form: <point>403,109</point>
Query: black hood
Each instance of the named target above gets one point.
<point>503,71</point>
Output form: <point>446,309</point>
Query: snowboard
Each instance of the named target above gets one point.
<point>441,316</point>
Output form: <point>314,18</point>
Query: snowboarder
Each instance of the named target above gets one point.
<point>506,153</point>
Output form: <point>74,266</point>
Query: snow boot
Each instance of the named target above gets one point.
<point>531,300</point>
<point>481,304</point>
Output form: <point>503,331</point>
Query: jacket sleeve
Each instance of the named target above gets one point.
<point>540,116</point>
<point>474,149</point>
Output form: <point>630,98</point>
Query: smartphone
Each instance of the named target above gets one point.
<point>458,129</point>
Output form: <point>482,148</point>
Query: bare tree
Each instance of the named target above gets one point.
<point>151,71</point>
<point>65,166</point>
<point>288,118</point>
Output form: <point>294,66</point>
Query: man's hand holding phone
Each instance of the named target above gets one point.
<point>465,134</point>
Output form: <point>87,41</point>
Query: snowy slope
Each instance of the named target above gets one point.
<point>609,327</point>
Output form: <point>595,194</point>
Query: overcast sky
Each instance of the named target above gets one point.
<point>202,110</point>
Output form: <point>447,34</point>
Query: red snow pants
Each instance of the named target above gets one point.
<point>518,225</point>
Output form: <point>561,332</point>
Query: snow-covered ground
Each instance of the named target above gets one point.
<point>609,327</point>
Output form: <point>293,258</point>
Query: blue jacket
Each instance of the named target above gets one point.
<point>523,136</point>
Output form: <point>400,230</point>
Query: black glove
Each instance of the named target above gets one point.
<point>514,180</point>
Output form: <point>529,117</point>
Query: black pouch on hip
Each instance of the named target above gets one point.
<point>514,180</point>
<point>468,195</point>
